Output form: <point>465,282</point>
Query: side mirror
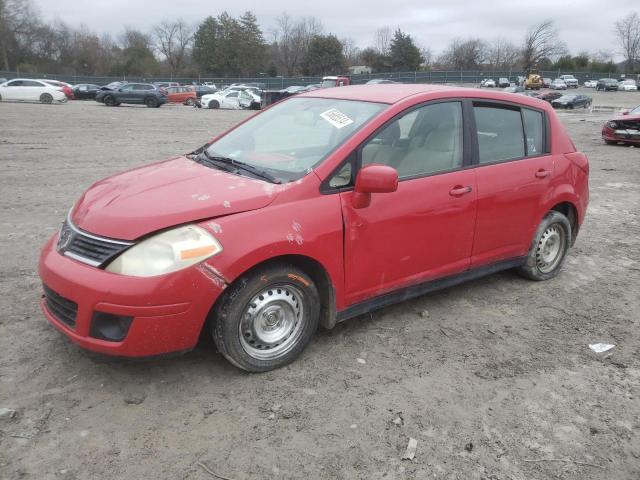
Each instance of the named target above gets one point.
<point>373,179</point>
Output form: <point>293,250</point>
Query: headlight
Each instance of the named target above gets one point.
<point>166,252</point>
<point>612,125</point>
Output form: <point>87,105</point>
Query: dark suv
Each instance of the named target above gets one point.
<point>136,93</point>
<point>607,84</point>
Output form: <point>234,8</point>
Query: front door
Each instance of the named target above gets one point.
<point>424,230</point>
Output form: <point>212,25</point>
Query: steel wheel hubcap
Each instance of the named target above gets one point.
<point>550,248</point>
<point>272,322</point>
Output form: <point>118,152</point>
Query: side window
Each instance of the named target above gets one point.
<point>533,129</point>
<point>29,83</point>
<point>15,83</point>
<point>83,88</point>
<point>500,135</point>
<point>127,88</point>
<point>142,86</point>
<point>342,178</point>
<point>424,141</point>
<point>232,95</point>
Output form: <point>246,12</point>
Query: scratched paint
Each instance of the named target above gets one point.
<point>201,197</point>
<point>226,204</point>
<point>215,227</point>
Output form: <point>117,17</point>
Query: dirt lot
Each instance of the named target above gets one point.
<point>493,378</point>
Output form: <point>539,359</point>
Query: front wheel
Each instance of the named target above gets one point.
<point>46,98</point>
<point>110,101</point>
<point>189,102</point>
<point>548,249</point>
<point>214,104</point>
<point>267,318</point>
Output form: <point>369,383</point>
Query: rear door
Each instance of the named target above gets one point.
<point>514,174</point>
<point>13,91</point>
<point>424,230</point>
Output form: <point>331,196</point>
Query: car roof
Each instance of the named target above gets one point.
<point>394,93</point>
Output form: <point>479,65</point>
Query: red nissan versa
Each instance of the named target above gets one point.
<point>327,205</point>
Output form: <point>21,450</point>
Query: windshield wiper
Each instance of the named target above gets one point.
<point>238,165</point>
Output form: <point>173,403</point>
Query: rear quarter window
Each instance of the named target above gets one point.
<point>500,133</point>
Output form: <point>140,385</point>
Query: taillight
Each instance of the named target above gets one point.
<point>580,160</point>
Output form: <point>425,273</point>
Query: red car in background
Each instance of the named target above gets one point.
<point>66,88</point>
<point>623,129</point>
<point>325,206</point>
<point>182,94</point>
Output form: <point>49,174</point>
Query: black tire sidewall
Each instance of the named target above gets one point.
<point>214,104</point>
<point>109,101</point>
<point>530,269</point>
<point>46,98</point>
<point>151,102</point>
<point>229,308</point>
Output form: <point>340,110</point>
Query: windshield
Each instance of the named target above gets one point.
<point>294,136</point>
<point>635,111</point>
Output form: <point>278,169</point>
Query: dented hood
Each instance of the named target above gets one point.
<point>140,201</point>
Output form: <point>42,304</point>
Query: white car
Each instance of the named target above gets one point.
<point>590,84</point>
<point>570,80</point>
<point>488,83</point>
<point>231,98</point>
<point>558,84</point>
<point>628,85</point>
<point>29,90</point>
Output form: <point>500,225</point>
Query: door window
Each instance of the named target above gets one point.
<point>127,88</point>
<point>500,133</point>
<point>533,129</point>
<point>424,141</point>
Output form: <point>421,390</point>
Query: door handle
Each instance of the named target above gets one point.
<point>459,191</point>
<point>542,173</point>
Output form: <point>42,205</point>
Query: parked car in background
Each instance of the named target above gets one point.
<point>85,91</point>
<point>377,81</point>
<point>546,82</point>
<point>66,88</point>
<point>572,101</point>
<point>590,84</point>
<point>184,95</point>
<point>628,85</point>
<point>488,83</point>
<point>558,84</point>
<point>31,90</point>
<point>231,98</point>
<point>165,85</point>
<point>516,89</point>
<point>210,85</point>
<point>607,85</point>
<point>550,96</point>
<point>624,128</point>
<point>133,93</point>
<point>570,80</point>
<point>305,215</point>
<point>503,82</point>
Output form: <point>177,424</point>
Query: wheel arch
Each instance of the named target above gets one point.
<point>311,267</point>
<point>569,210</point>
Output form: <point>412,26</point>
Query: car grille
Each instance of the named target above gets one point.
<point>61,308</point>
<point>87,248</point>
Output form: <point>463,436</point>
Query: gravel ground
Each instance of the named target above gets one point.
<point>493,378</point>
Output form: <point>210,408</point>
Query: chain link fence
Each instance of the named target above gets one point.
<point>469,77</point>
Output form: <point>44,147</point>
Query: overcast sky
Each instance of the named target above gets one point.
<point>583,24</point>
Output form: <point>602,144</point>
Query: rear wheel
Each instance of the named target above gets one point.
<point>214,104</point>
<point>266,318</point>
<point>548,249</point>
<point>190,102</point>
<point>151,102</point>
<point>46,98</point>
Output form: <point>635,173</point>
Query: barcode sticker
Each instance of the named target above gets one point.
<point>336,118</point>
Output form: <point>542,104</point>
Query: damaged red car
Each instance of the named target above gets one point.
<point>322,207</point>
<point>623,129</point>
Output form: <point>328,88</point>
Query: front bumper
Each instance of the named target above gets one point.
<point>167,311</point>
<point>621,135</point>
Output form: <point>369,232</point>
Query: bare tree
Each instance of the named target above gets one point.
<point>541,42</point>
<point>427,57</point>
<point>502,54</point>
<point>627,30</point>
<point>350,51</point>
<point>382,40</point>
<point>172,40</point>
<point>291,40</point>
<point>18,23</point>
<point>464,54</point>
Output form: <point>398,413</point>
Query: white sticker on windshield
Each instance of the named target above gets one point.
<point>336,118</point>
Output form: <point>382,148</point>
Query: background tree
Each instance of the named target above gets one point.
<point>204,45</point>
<point>350,51</point>
<point>502,54</point>
<point>252,47</point>
<point>627,31</point>
<point>324,56</point>
<point>171,39</point>
<point>382,40</point>
<point>373,59</point>
<point>405,55</point>
<point>291,39</point>
<point>467,54</point>
<point>541,42</point>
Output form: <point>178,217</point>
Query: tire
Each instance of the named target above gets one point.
<point>110,101</point>
<point>46,98</point>
<point>151,102</point>
<point>189,102</point>
<point>610,142</point>
<point>214,104</point>
<point>549,248</point>
<point>266,318</point>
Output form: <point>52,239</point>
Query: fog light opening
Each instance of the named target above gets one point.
<point>106,326</point>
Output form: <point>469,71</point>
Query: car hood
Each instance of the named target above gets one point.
<point>626,118</point>
<point>132,204</point>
